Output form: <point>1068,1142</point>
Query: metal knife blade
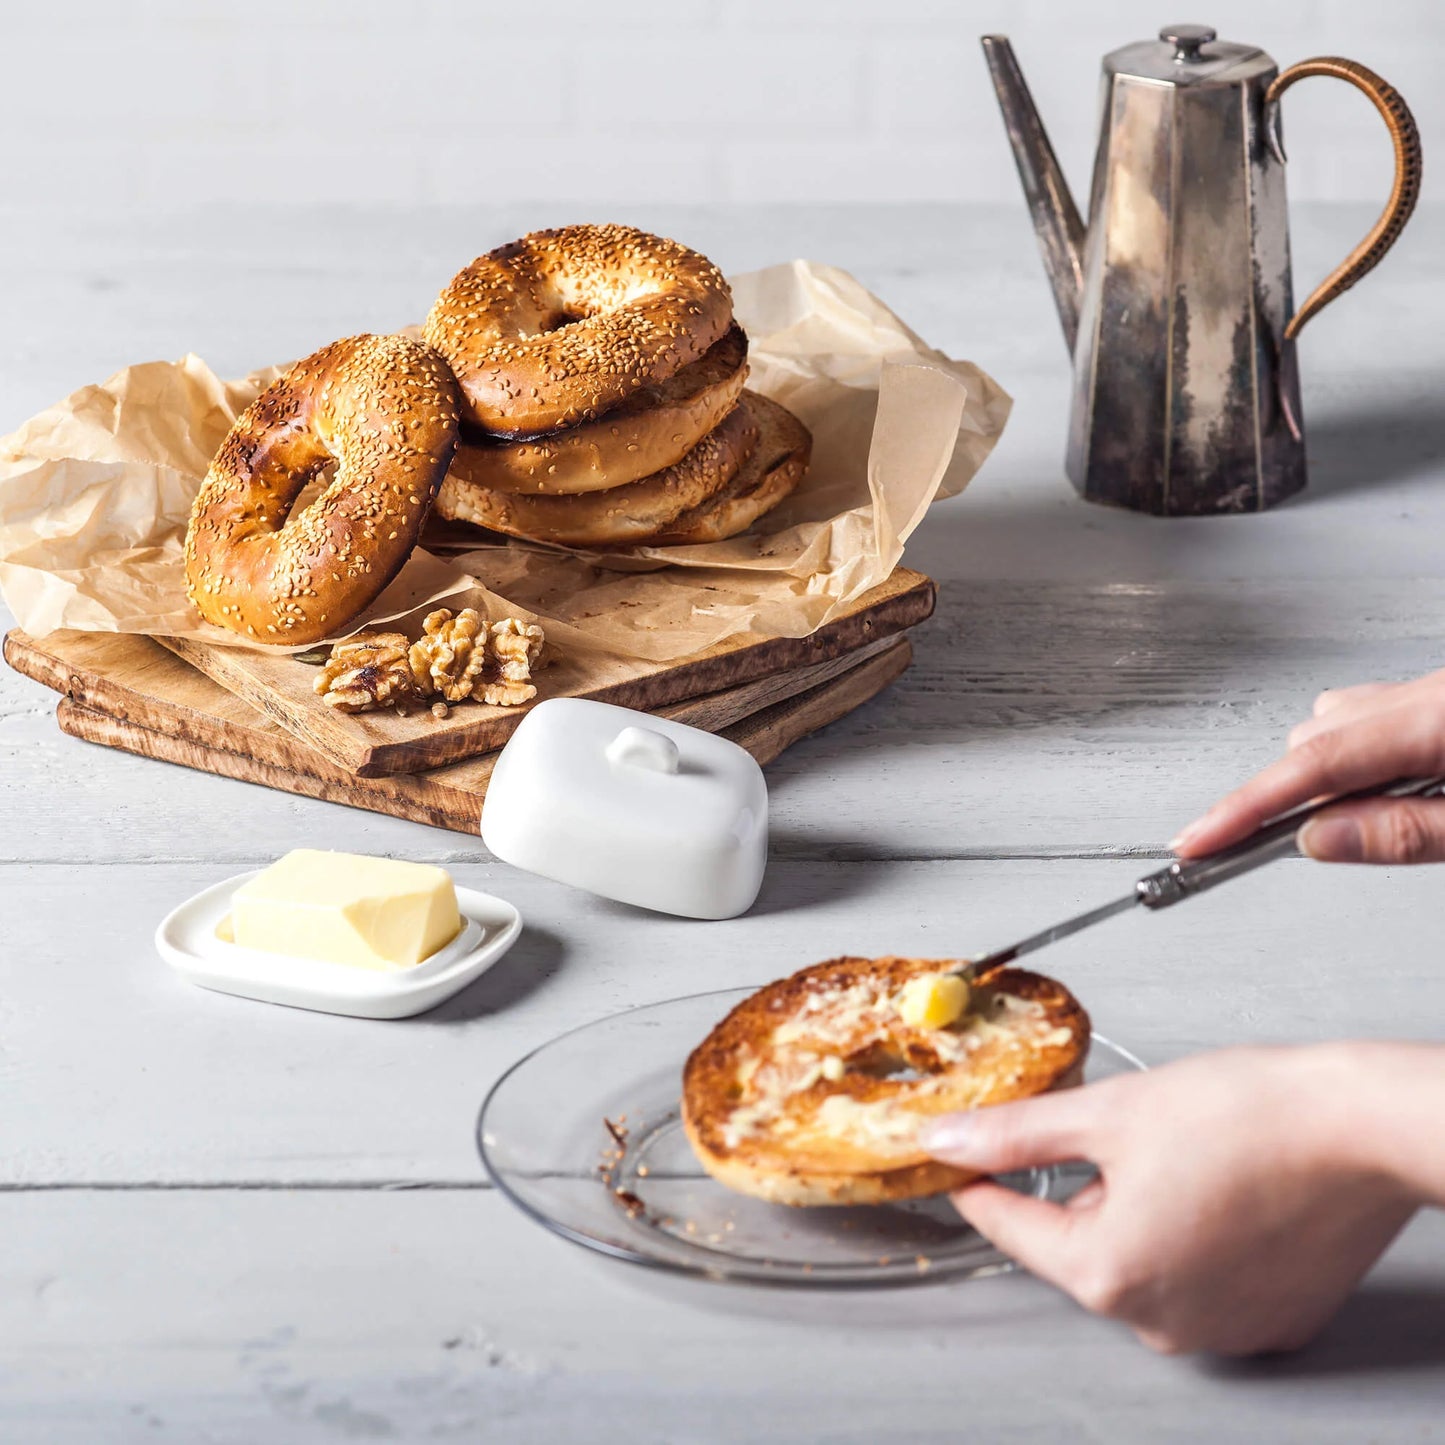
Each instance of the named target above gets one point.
<point>1048,936</point>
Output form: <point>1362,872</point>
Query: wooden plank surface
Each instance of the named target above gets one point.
<point>317,1316</point>
<point>1091,679</point>
<point>170,1256</point>
<point>375,744</point>
<point>119,1073</point>
<point>451,797</point>
<point>1039,718</point>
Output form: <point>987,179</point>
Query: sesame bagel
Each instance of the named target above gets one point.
<point>776,465</point>
<point>654,428</point>
<point>619,516</point>
<point>565,325</point>
<point>384,411</point>
<point>813,1090</point>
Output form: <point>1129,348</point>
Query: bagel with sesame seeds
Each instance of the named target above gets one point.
<point>565,325</point>
<point>384,410</point>
<point>620,516</point>
<point>654,428</point>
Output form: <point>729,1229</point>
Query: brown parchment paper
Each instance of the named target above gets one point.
<point>95,493</point>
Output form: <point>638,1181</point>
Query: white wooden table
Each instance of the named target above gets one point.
<point>227,1222</point>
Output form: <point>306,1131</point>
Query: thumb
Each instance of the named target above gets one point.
<point>1043,1130</point>
<point>1042,1237</point>
<point>1379,830</point>
<point>1002,1137</point>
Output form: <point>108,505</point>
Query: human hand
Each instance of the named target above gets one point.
<point>1234,1210</point>
<point>1358,737</point>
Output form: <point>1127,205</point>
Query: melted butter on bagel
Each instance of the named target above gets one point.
<point>813,1091</point>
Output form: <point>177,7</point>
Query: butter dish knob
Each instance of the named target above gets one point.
<point>642,748</point>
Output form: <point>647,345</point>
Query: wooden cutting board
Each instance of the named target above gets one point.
<point>127,693</point>
<point>135,681</point>
<point>381,743</point>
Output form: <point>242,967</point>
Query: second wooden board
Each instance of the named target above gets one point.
<point>451,797</point>
<point>136,682</point>
<point>377,744</point>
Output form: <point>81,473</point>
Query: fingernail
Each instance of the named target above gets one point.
<point>1333,840</point>
<point>948,1137</point>
<point>1183,837</point>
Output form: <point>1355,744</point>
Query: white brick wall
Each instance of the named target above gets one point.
<point>265,103</point>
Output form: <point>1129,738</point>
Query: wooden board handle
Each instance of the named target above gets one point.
<point>1403,195</point>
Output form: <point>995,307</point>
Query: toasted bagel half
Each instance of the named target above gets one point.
<point>813,1091</point>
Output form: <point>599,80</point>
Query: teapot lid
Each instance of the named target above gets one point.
<point>1189,55</point>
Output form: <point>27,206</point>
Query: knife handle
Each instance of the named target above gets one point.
<point>1185,877</point>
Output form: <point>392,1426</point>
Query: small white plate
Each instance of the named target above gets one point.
<point>188,940</point>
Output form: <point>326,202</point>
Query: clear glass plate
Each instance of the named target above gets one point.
<point>641,1196</point>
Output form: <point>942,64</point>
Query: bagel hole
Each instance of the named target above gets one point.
<point>563,316</point>
<point>311,491</point>
<point>882,1062</point>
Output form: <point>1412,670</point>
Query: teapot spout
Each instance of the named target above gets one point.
<point>1056,217</point>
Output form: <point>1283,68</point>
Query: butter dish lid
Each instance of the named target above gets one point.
<point>193,940</point>
<point>632,807</point>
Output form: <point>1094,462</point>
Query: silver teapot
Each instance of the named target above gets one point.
<point>1176,299</point>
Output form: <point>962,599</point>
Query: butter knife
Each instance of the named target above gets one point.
<point>1185,878</point>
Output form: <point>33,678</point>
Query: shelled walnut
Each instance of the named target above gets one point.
<point>517,648</point>
<point>451,654</point>
<point>368,671</point>
<point>458,656</point>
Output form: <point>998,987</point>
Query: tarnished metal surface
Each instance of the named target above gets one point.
<point>1186,388</point>
<point>1055,216</point>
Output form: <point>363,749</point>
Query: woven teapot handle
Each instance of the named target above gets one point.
<point>1403,195</point>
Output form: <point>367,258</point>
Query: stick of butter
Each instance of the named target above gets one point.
<point>347,908</point>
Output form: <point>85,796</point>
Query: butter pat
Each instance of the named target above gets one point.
<point>347,908</point>
<point>933,1001</point>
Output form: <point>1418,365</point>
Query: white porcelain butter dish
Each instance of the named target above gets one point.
<point>194,940</point>
<point>632,807</point>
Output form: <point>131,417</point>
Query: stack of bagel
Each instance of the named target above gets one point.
<point>582,387</point>
<point>601,374</point>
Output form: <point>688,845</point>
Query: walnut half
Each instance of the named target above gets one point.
<point>368,671</point>
<point>451,653</point>
<point>517,648</point>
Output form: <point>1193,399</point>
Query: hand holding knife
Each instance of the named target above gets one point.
<point>1184,878</point>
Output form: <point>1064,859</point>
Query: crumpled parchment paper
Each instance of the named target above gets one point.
<point>95,493</point>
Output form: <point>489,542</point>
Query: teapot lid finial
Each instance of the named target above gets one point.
<point>1191,58</point>
<point>1186,40</point>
